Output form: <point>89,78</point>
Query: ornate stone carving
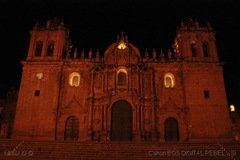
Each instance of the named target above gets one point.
<point>98,79</point>
<point>122,58</point>
<point>147,83</point>
<point>68,109</point>
<point>111,59</point>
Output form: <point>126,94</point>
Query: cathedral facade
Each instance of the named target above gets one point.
<point>121,95</point>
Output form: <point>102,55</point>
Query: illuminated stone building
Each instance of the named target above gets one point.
<point>120,95</point>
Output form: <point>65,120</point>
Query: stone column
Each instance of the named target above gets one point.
<point>141,122</point>
<point>137,118</point>
<point>137,132</point>
<point>153,123</point>
<point>138,81</point>
<point>114,82</point>
<point>129,79</point>
<point>141,83</point>
<point>105,117</point>
<point>105,80</point>
<point>104,131</point>
<point>92,82</point>
<point>90,131</point>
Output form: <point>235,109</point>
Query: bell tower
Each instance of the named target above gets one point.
<point>49,42</point>
<point>195,43</point>
<point>40,86</point>
<point>202,81</point>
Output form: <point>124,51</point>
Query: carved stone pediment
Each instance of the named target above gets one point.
<point>74,103</point>
<point>170,106</point>
<point>101,97</point>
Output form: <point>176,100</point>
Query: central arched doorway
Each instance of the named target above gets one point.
<point>121,121</point>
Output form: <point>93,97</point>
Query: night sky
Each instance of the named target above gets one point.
<point>95,24</point>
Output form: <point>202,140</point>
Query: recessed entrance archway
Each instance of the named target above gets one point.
<point>121,121</point>
<point>71,128</point>
<point>171,130</point>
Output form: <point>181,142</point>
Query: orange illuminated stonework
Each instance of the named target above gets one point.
<point>122,96</point>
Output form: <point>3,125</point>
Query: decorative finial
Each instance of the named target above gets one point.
<point>126,38</point>
<point>191,23</point>
<point>154,54</point>
<point>98,54</point>
<point>146,54</point>
<point>75,53</point>
<point>82,54</point>
<point>90,54</point>
<point>48,23</point>
<point>161,54</point>
<point>169,54</point>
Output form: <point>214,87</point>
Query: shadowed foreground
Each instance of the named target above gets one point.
<point>21,150</point>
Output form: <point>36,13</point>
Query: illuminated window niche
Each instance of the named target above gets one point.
<point>74,79</point>
<point>121,77</point>
<point>232,108</point>
<point>169,81</point>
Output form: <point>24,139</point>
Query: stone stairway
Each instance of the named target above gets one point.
<point>67,150</point>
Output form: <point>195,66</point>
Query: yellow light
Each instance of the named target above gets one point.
<point>122,46</point>
<point>74,79</point>
<point>232,108</point>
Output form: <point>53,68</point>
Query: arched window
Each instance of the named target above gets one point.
<point>38,50</point>
<point>64,52</point>
<point>205,49</point>
<point>122,77</point>
<point>169,80</point>
<point>50,48</point>
<point>193,49</point>
<point>74,79</point>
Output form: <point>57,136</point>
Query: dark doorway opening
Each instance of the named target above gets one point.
<point>71,129</point>
<point>171,130</point>
<point>121,121</point>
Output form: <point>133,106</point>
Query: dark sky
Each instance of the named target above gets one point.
<point>95,24</point>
